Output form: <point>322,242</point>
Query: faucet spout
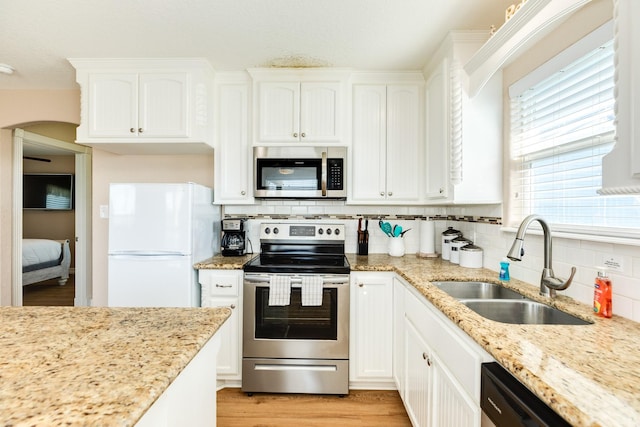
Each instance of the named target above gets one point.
<point>549,284</point>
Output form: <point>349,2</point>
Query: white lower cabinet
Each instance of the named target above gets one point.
<point>440,374</point>
<point>371,331</point>
<point>223,288</point>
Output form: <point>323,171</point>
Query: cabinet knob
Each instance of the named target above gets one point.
<point>222,286</point>
<point>424,356</point>
<point>361,285</point>
<point>295,134</point>
<point>382,193</point>
<point>140,130</point>
<point>390,193</point>
<point>233,306</point>
<point>242,193</point>
<point>303,134</point>
<point>132,130</point>
<point>441,190</point>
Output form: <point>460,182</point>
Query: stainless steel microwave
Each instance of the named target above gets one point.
<point>300,172</point>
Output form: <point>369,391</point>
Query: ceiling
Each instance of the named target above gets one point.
<point>38,36</point>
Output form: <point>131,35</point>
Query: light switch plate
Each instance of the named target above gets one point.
<point>104,211</point>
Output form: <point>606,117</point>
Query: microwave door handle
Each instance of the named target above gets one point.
<point>323,182</point>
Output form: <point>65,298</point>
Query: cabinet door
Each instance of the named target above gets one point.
<point>371,332</point>
<point>230,355</point>
<point>368,158</point>
<point>398,335</point>
<point>404,147</point>
<point>233,158</point>
<point>113,105</point>
<point>451,405</point>
<point>163,105</point>
<point>320,114</point>
<point>279,111</point>
<point>437,137</point>
<point>417,395</point>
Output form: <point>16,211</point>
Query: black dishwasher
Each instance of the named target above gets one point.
<point>508,403</point>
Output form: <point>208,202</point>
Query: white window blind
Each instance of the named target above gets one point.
<point>561,128</point>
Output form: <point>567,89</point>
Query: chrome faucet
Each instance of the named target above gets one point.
<point>549,284</point>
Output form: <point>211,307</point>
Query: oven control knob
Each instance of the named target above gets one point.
<point>320,231</point>
<point>267,230</point>
<point>328,231</point>
<point>337,231</point>
<point>275,230</point>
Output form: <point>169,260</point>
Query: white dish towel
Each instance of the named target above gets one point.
<point>311,292</point>
<point>279,290</point>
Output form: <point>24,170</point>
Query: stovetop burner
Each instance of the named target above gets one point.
<point>300,248</point>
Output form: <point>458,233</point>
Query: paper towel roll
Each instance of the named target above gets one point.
<point>427,238</point>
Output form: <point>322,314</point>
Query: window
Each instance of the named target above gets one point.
<point>561,127</point>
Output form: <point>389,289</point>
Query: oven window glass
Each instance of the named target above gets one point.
<point>289,175</point>
<point>295,321</point>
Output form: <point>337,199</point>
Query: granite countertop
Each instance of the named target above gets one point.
<point>94,365</point>
<point>589,374</point>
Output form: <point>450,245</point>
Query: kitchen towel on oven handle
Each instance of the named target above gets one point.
<point>279,290</point>
<point>311,290</point>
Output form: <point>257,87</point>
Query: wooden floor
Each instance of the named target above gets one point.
<point>49,293</point>
<point>368,408</point>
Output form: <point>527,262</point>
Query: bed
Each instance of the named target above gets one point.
<point>44,259</point>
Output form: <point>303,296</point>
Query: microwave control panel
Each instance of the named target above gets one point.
<point>335,172</point>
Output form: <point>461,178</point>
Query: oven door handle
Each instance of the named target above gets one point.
<point>297,281</point>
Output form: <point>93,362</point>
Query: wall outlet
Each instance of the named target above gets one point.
<point>104,211</point>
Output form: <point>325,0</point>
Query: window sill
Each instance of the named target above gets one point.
<point>629,238</point>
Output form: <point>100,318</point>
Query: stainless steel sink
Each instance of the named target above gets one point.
<point>477,290</point>
<point>522,311</point>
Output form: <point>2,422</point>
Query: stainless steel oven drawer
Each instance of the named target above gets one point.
<point>295,376</point>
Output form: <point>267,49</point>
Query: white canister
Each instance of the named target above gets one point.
<point>447,236</point>
<point>456,244</point>
<point>471,256</point>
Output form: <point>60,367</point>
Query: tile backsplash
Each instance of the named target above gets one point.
<point>480,224</point>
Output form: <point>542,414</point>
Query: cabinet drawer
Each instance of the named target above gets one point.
<point>216,284</point>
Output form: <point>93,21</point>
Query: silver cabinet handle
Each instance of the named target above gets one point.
<point>390,193</point>
<point>242,193</point>
<point>223,286</point>
<point>132,130</point>
<point>140,130</point>
<point>295,134</point>
<point>361,285</point>
<point>382,193</point>
<point>303,134</point>
<point>424,356</point>
<point>441,190</point>
<point>233,306</point>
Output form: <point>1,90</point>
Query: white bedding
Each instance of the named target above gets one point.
<point>38,251</point>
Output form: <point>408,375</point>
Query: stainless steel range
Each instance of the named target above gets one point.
<point>296,311</point>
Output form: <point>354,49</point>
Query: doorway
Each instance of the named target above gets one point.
<point>30,146</point>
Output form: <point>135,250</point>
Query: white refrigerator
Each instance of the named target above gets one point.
<point>157,232</point>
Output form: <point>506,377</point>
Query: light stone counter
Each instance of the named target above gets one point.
<point>94,365</point>
<point>588,374</point>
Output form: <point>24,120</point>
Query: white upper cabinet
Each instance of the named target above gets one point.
<point>233,159</point>
<point>463,134</point>
<point>299,105</point>
<point>145,106</point>
<point>386,159</point>
<point>621,167</point>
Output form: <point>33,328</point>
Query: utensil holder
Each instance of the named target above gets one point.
<point>396,246</point>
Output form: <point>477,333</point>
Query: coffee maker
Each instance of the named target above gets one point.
<point>233,237</point>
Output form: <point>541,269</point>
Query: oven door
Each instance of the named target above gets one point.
<point>296,330</point>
